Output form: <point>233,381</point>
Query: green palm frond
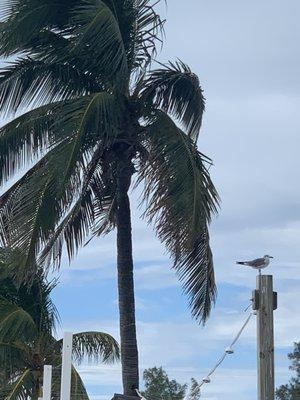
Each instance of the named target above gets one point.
<point>196,271</point>
<point>34,299</point>
<point>98,30</point>
<point>91,117</point>
<point>94,346</point>
<point>78,390</point>
<point>6,255</point>
<point>52,195</point>
<point>13,355</point>
<point>37,203</point>
<point>24,20</point>
<point>27,343</point>
<point>92,213</point>
<point>180,200</point>
<point>36,189</point>
<point>15,323</point>
<point>25,138</point>
<point>148,32</point>
<point>176,90</point>
<point>88,61</point>
<point>20,388</point>
<point>10,211</point>
<point>32,82</point>
<point>42,310</point>
<point>50,45</point>
<point>19,26</point>
<point>33,204</point>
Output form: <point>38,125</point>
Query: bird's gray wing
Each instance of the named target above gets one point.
<point>257,262</point>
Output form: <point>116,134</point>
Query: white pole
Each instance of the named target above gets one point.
<point>65,390</point>
<point>47,382</point>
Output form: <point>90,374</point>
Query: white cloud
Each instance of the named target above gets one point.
<point>154,277</point>
<point>100,375</point>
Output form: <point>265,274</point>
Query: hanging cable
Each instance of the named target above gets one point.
<point>228,351</point>
<point>241,330</point>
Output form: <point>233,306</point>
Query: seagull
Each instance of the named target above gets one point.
<point>258,263</point>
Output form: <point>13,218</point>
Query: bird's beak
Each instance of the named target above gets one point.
<point>271,257</point>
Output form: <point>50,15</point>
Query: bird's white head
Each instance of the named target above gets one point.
<point>268,257</point>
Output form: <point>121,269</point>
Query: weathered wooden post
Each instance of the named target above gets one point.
<point>265,302</point>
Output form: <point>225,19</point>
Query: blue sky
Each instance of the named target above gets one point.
<point>247,57</point>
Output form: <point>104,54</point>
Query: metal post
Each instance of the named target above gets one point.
<point>265,334</point>
<point>47,382</point>
<point>65,390</point>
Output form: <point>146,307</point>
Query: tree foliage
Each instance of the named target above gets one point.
<point>85,99</point>
<point>28,319</point>
<point>291,391</point>
<point>195,391</point>
<point>158,386</point>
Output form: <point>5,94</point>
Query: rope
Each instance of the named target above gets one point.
<point>226,353</point>
<point>241,330</point>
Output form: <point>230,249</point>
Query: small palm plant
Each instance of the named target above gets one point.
<point>28,320</point>
<point>100,117</point>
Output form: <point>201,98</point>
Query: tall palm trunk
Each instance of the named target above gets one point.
<point>129,350</point>
<point>37,391</point>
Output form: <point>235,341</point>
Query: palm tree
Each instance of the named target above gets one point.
<point>27,322</point>
<point>100,118</point>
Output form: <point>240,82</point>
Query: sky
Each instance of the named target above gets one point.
<point>246,54</point>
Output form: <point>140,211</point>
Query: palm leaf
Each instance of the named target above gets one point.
<point>180,199</point>
<point>31,82</point>
<point>20,389</point>
<point>29,218</point>
<point>23,21</point>
<point>15,323</point>
<point>92,211</point>
<point>94,346</point>
<point>11,209</point>
<point>176,90</point>
<point>30,211</point>
<point>78,390</point>
<point>42,310</point>
<point>42,198</point>
<point>34,299</point>
<point>95,115</point>
<point>25,138</point>
<point>196,271</point>
<point>148,31</point>
<point>97,30</point>
<point>12,356</point>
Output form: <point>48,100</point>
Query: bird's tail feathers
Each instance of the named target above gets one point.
<point>241,262</point>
